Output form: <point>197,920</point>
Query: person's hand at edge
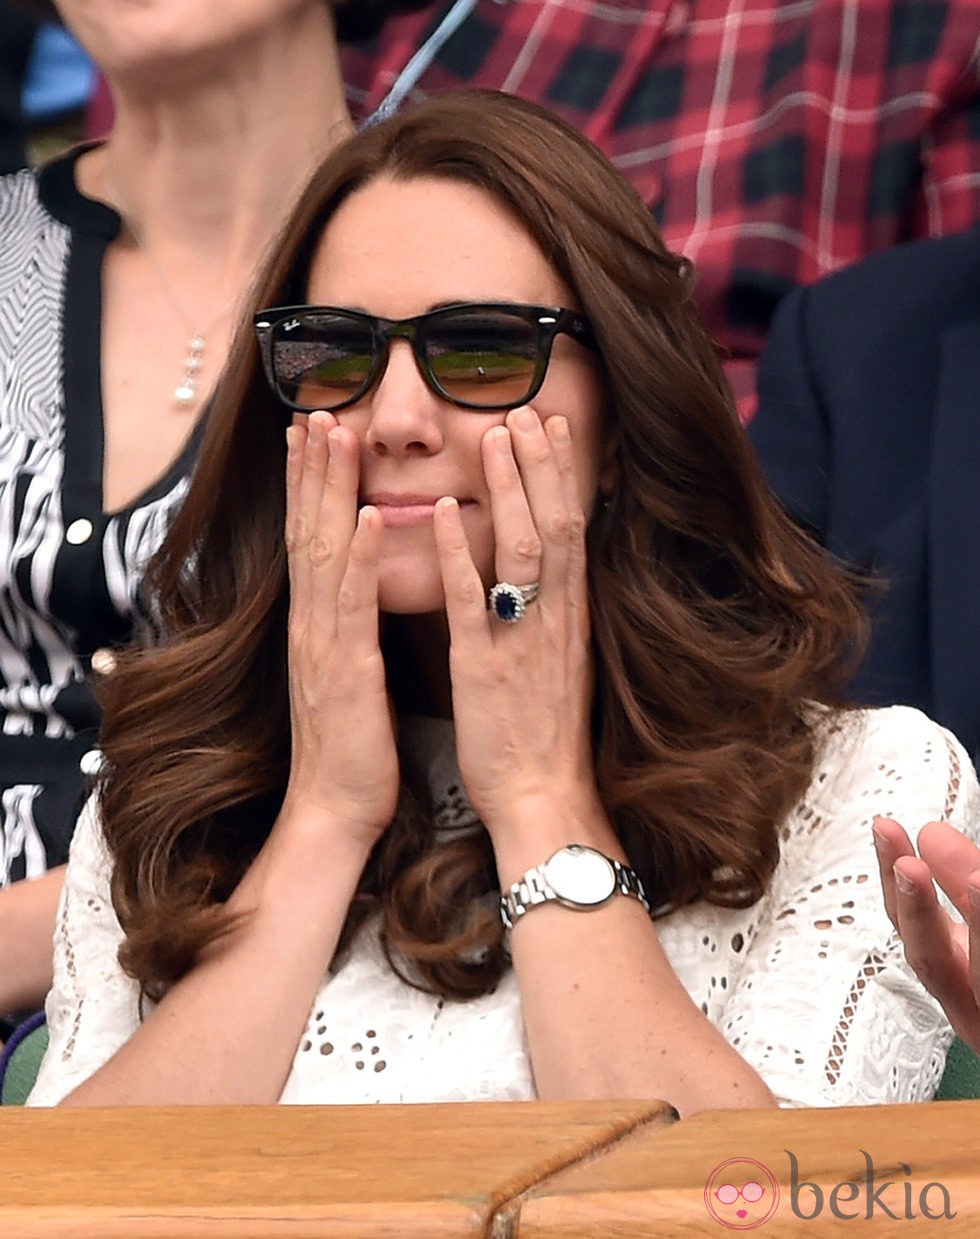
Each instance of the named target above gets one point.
<point>943,952</point>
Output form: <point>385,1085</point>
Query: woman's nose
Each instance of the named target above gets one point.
<point>405,414</point>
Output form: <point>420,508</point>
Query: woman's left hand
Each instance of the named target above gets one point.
<point>522,692</point>
<point>522,701</point>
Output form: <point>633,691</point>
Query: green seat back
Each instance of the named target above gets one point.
<point>22,1069</point>
<point>961,1079</point>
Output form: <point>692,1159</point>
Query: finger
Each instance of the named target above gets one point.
<point>330,514</point>
<point>559,435</point>
<point>553,506</point>
<point>357,596</point>
<point>337,513</point>
<point>311,480</point>
<point>299,565</point>
<point>306,466</point>
<point>517,546</point>
<point>952,857</point>
<point>891,843</point>
<point>295,453</point>
<point>973,946</point>
<point>466,599</point>
<point>934,946</point>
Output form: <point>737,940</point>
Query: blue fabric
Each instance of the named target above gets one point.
<point>60,76</point>
<point>869,434</point>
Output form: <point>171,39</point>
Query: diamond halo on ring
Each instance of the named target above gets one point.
<point>509,602</point>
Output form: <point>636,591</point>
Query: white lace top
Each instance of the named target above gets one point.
<point>810,984</point>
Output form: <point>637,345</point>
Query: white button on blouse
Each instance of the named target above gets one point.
<point>103,661</point>
<point>79,531</point>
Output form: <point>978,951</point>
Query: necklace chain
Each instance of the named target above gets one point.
<point>185,393</point>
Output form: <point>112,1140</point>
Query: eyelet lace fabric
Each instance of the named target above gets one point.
<point>810,984</point>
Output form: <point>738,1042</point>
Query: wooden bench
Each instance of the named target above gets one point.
<point>496,1170</point>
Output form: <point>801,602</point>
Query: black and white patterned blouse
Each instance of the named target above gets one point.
<point>69,571</point>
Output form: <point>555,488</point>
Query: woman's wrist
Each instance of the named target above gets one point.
<point>330,828</point>
<point>311,864</point>
<point>532,828</point>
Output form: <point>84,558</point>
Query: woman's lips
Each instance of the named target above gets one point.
<point>402,515</point>
<point>403,511</point>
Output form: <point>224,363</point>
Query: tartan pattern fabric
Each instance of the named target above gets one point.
<point>774,140</point>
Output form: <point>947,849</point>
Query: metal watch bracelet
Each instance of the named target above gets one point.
<point>599,880</point>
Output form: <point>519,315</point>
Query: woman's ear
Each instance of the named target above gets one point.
<point>609,480</point>
<point>609,470</point>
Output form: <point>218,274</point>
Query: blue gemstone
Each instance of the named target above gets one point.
<point>505,607</point>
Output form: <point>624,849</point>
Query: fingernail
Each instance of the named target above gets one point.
<point>974,894</point>
<point>558,428</point>
<point>314,430</point>
<point>524,418</point>
<point>902,882</point>
<point>500,440</point>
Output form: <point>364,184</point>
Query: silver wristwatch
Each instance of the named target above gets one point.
<point>577,877</point>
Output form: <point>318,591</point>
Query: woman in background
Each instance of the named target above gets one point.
<point>123,267</point>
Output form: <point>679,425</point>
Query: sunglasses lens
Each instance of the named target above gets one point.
<point>486,358</point>
<point>321,361</point>
<point>753,1191</point>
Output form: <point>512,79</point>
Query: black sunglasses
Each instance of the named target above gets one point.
<point>477,356</point>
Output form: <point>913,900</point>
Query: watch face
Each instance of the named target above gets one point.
<point>579,875</point>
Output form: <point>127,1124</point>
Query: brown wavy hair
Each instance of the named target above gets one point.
<point>715,622</point>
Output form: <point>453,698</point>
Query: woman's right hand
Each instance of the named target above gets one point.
<point>344,759</point>
<point>292,902</point>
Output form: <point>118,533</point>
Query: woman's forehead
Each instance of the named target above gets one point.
<point>411,243</point>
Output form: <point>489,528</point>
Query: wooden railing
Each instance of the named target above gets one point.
<point>505,1171</point>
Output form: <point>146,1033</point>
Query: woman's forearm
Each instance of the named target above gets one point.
<point>607,1017</point>
<point>27,919</point>
<point>227,1032</point>
<point>605,1013</point>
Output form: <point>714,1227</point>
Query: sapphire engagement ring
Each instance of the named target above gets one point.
<point>509,602</point>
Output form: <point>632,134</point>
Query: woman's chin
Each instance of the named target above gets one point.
<point>416,596</point>
<point>412,584</point>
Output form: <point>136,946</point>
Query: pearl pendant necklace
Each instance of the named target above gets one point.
<point>186,392</point>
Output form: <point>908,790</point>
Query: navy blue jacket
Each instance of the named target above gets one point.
<point>869,432</point>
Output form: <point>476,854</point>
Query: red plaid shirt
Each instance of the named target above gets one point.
<point>774,140</point>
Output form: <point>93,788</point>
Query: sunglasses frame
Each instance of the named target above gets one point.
<point>550,321</point>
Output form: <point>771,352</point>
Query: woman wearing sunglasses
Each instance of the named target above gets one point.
<point>488,745</point>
